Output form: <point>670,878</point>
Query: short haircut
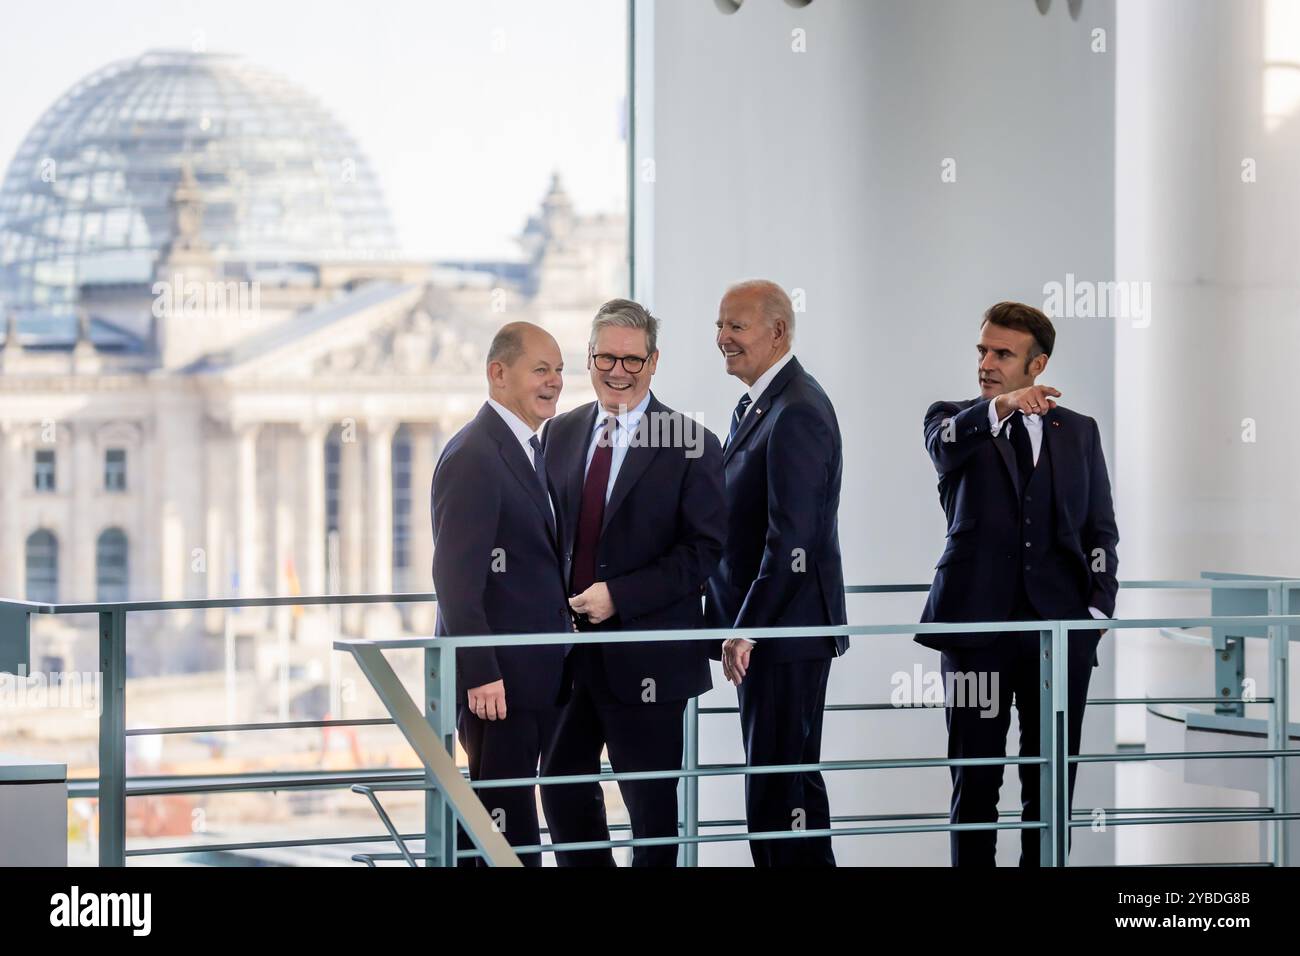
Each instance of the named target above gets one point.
<point>626,314</point>
<point>772,301</point>
<point>1024,318</point>
<point>507,344</point>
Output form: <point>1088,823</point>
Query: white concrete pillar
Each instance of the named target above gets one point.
<point>1208,219</point>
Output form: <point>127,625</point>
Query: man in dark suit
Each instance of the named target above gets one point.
<point>781,567</point>
<point>640,493</point>
<point>497,570</point>
<point>1031,536</point>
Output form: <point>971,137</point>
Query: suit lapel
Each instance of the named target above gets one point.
<point>760,407</point>
<point>1008,454</point>
<point>513,455</point>
<point>1060,450</point>
<point>639,455</point>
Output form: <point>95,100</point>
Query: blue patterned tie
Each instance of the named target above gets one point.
<point>738,415</point>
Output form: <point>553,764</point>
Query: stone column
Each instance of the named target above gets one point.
<point>382,620</point>
<point>221,502</point>
<point>424,452</point>
<point>84,477</point>
<point>351,520</point>
<point>13,570</point>
<point>311,512</point>
<point>249,525</point>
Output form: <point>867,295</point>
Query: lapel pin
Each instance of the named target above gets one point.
<point>758,411</point>
<point>1055,423</point>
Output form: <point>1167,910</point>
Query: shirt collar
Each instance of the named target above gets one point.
<point>517,425</point>
<point>763,381</point>
<point>627,420</point>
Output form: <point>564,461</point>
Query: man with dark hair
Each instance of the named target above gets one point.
<point>1031,536</point>
<point>640,494</point>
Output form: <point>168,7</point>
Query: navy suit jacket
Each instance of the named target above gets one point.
<point>496,562</point>
<point>979,487</point>
<point>781,566</point>
<point>660,539</point>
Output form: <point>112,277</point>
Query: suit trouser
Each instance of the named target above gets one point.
<point>781,708</point>
<point>639,737</point>
<point>1012,660</point>
<point>501,750</point>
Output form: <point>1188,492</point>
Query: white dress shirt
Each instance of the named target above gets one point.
<point>624,427</point>
<point>519,428</point>
<point>1033,425</point>
<point>763,381</point>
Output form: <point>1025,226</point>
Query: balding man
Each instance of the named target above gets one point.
<point>497,570</point>
<point>780,568</point>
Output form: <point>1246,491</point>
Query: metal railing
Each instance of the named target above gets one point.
<point>451,799</point>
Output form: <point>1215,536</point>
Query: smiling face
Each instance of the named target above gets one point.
<point>530,385</point>
<point>618,388</point>
<point>749,342</point>
<point>1004,363</point>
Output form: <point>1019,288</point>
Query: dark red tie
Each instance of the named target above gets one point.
<point>592,512</point>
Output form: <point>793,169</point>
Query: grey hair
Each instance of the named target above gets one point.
<point>626,314</point>
<point>772,301</point>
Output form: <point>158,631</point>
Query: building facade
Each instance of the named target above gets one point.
<point>245,421</point>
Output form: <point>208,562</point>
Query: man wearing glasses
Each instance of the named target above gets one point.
<point>639,489</point>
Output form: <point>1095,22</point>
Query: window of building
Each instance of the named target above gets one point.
<point>42,567</point>
<point>111,577</point>
<point>43,479</point>
<point>115,469</point>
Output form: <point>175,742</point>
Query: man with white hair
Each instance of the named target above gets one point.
<point>781,567</point>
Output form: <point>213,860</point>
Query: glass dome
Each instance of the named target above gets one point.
<point>85,200</point>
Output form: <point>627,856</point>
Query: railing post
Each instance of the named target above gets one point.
<point>688,854</point>
<point>440,711</point>
<point>1279,636</point>
<point>112,738</point>
<point>1229,672</point>
<point>1053,743</point>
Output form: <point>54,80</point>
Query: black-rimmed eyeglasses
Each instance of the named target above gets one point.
<point>632,364</point>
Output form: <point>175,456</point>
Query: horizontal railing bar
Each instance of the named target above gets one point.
<point>1085,815</point>
<point>841,630</point>
<point>267,845</point>
<point>869,831</point>
<point>767,835</point>
<point>739,769</point>
<point>202,604</point>
<point>1206,818</point>
<point>1101,701</point>
<point>273,725</point>
<point>1265,864</point>
<point>1189,755</point>
<point>413,597</point>
<point>85,788</point>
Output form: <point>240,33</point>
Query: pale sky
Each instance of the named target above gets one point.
<point>464,107</point>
